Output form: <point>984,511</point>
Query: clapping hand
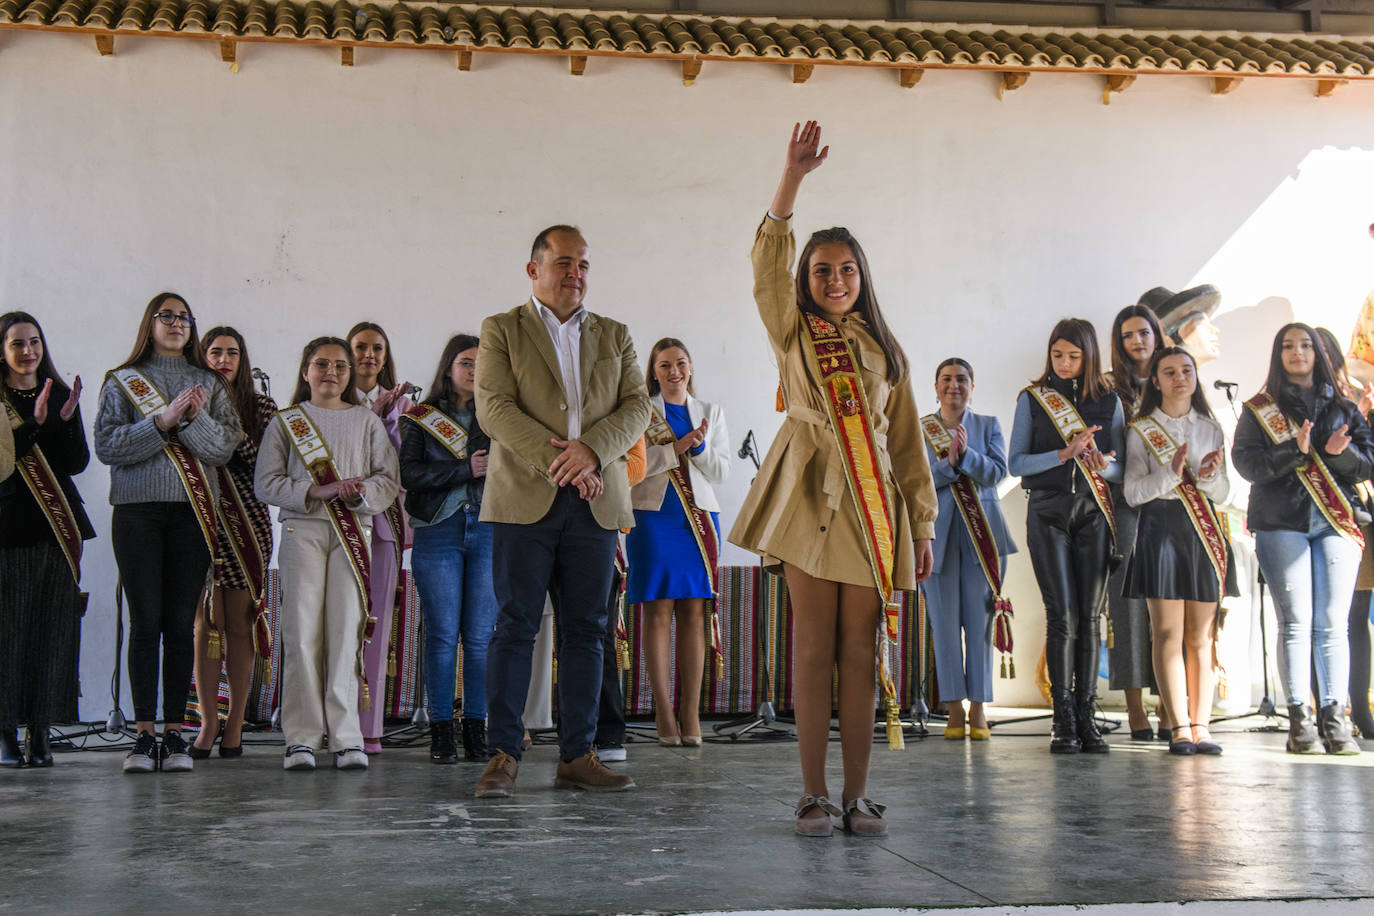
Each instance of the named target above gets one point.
<point>1211,463</point>
<point>1304,436</point>
<point>388,397</point>
<point>690,441</point>
<point>1180,460</point>
<point>1339,440</point>
<point>40,404</point>
<point>170,416</point>
<point>958,445</point>
<point>199,397</point>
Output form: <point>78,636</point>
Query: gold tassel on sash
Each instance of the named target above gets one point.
<point>1111,634</point>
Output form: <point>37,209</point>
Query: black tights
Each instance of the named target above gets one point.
<point>1359,664</point>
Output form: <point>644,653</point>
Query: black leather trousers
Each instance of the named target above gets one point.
<point>1070,550</point>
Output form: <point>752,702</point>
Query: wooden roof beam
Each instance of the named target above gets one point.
<point>1224,84</point>
<point>229,53</point>
<point>1010,82</point>
<point>105,45</point>
<point>1116,82</point>
<point>802,72</point>
<point>909,76</point>
<point>577,64</point>
<point>1327,88</point>
<point>346,56</point>
<point>465,60</point>
<point>691,69</point>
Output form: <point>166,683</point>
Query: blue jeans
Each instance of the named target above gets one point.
<point>452,566</point>
<point>1311,575</point>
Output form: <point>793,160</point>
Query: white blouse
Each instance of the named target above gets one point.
<point>1147,479</point>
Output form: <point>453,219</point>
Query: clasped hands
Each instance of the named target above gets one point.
<point>40,404</point>
<point>577,465</point>
<point>1082,445</point>
<point>350,488</point>
<point>1335,444</point>
<point>184,406</point>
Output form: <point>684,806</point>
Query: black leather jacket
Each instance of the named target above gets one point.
<point>429,472</point>
<point>1278,500</point>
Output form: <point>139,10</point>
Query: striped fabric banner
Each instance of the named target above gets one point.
<point>404,691</point>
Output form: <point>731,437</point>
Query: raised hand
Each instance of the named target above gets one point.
<point>1211,463</point>
<point>73,399</point>
<point>1339,440</point>
<point>1180,460</point>
<point>1304,436</point>
<point>479,459</point>
<point>804,155</point>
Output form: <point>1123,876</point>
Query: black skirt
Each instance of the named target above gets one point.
<point>1170,561</point>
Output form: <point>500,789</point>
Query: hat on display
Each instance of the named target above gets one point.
<point>1173,309</point>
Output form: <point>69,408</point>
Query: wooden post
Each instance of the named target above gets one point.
<point>691,69</point>
<point>577,64</point>
<point>346,56</point>
<point>909,76</point>
<point>464,60</point>
<point>1224,84</point>
<point>1116,82</point>
<point>105,45</point>
<point>1011,82</point>
<point>802,72</point>
<point>229,53</point>
<point>1327,88</point>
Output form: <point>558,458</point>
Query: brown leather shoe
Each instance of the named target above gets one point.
<point>498,779</point>
<point>587,772</point>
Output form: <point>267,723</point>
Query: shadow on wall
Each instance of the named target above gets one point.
<point>1247,335</point>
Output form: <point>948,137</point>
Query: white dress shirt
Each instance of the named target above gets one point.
<point>368,398</point>
<point>1147,479</point>
<point>567,343</point>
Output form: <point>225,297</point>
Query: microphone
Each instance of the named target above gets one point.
<point>1227,387</point>
<point>264,380</point>
<point>748,447</point>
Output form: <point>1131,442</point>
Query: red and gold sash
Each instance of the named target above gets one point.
<point>238,529</point>
<point>846,402</point>
<point>1208,525</point>
<point>314,454</point>
<point>985,545</point>
<point>47,492</point>
<point>441,426</point>
<point>698,519</point>
<point>1313,473</point>
<point>1067,421</point>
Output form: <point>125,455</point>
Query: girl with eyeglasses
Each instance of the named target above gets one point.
<point>240,576</point>
<point>42,525</point>
<point>374,380</point>
<point>329,467</point>
<point>165,422</point>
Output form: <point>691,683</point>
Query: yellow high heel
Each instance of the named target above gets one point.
<point>954,732</point>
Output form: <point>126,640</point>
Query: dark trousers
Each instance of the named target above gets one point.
<point>1070,550</point>
<point>610,719</point>
<point>569,554</point>
<point>38,626</point>
<point>162,561</point>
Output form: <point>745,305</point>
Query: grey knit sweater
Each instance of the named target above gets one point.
<point>140,472</point>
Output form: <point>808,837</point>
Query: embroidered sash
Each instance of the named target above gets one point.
<point>441,426</point>
<point>47,492</point>
<point>985,546</point>
<point>698,519</point>
<point>1067,421</point>
<point>310,446</point>
<point>846,402</point>
<point>1313,473</point>
<point>238,529</point>
<point>1201,512</point>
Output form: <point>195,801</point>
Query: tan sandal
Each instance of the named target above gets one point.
<point>866,820</point>
<point>815,826</point>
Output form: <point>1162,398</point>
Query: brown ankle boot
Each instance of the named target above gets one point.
<point>587,772</point>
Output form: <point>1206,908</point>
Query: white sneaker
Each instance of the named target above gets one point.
<point>351,759</point>
<point>173,756</point>
<point>299,757</point>
<point>143,757</point>
<point>611,753</point>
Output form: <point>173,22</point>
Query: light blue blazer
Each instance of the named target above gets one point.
<point>985,460</point>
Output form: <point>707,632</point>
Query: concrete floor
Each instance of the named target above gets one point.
<point>1000,822</point>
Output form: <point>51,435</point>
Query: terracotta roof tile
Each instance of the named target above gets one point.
<point>881,44</point>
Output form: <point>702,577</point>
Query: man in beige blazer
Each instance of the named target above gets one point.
<point>561,394</point>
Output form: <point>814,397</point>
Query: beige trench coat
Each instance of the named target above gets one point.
<point>799,509</point>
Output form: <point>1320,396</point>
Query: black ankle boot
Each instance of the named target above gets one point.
<point>1064,738</point>
<point>441,746</point>
<point>1089,738</point>
<point>39,749</point>
<point>1302,731</point>
<point>1331,725</point>
<point>11,755</point>
<point>475,739</point>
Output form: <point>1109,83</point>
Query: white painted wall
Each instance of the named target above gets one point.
<point>296,197</point>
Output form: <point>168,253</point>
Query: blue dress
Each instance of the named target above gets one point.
<point>665,561</point>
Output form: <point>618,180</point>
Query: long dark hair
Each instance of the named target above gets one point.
<point>1321,366</point>
<point>1332,347</point>
<point>867,305</point>
<point>386,377</point>
<point>651,380</point>
<point>46,369</point>
<point>1080,333</point>
<point>1154,395</point>
<point>241,388</point>
<point>441,389</point>
<point>302,392</point>
<point>143,343</point>
<point>1123,367</point>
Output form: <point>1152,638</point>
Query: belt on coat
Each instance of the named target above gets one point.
<point>835,486</point>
